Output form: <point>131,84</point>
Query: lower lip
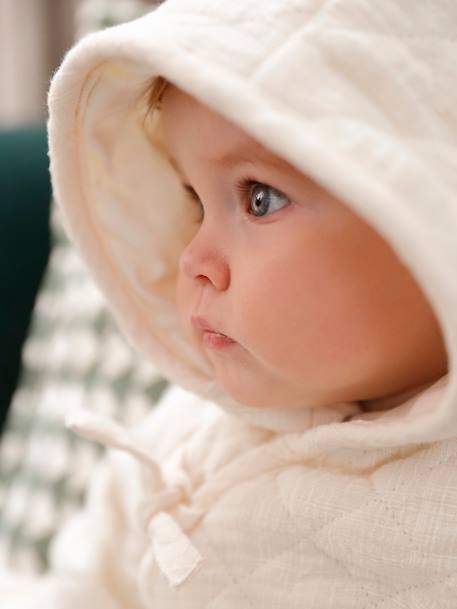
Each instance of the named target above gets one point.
<point>217,341</point>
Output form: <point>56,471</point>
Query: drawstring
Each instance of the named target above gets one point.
<point>96,427</point>
<point>170,547</point>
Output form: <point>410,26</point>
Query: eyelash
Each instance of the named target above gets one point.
<point>243,187</point>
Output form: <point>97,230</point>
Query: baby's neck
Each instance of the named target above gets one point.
<point>388,402</point>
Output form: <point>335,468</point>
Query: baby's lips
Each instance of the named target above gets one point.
<point>203,325</point>
<point>216,341</point>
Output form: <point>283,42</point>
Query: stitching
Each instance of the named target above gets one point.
<point>435,38</point>
<point>230,576</point>
<point>309,464</point>
<point>302,540</point>
<point>215,18</point>
<point>252,571</point>
<point>378,495</point>
<point>310,538</point>
<point>293,34</point>
<point>212,19</point>
<point>289,548</point>
<point>442,580</point>
<point>413,544</point>
<point>400,38</point>
<point>312,541</point>
<point>342,565</point>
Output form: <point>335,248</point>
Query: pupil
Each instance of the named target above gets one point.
<point>259,199</point>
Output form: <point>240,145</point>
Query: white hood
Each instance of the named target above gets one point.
<point>363,101</point>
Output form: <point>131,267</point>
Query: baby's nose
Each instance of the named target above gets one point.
<point>203,261</point>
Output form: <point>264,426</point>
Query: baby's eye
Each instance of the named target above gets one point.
<point>264,200</point>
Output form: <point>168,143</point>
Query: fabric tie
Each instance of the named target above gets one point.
<point>170,547</point>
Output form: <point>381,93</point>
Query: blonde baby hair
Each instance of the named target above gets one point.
<point>155,93</point>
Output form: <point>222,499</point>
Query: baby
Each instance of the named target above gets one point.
<point>266,196</point>
<point>317,307</point>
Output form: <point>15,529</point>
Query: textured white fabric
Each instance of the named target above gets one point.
<point>271,508</point>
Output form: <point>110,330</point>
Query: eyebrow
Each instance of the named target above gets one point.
<point>236,157</point>
<point>232,158</point>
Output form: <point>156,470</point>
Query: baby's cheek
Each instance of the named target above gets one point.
<point>297,319</point>
<point>275,314</point>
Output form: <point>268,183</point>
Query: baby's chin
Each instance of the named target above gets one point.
<point>249,382</point>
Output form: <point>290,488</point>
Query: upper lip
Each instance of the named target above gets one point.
<point>203,325</point>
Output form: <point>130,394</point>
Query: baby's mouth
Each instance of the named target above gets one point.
<point>214,340</point>
<point>209,335</point>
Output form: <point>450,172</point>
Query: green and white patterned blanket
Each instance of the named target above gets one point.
<point>74,356</point>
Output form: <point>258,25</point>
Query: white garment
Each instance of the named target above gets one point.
<point>236,507</point>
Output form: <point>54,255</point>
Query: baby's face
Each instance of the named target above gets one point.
<point>318,307</point>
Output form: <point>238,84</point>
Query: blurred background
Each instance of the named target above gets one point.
<point>34,36</point>
<point>59,347</point>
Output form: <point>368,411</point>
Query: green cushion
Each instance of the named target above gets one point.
<point>25,194</point>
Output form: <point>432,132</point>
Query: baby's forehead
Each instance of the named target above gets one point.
<point>243,149</point>
<point>218,140</point>
<point>245,155</point>
<point>198,134</point>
